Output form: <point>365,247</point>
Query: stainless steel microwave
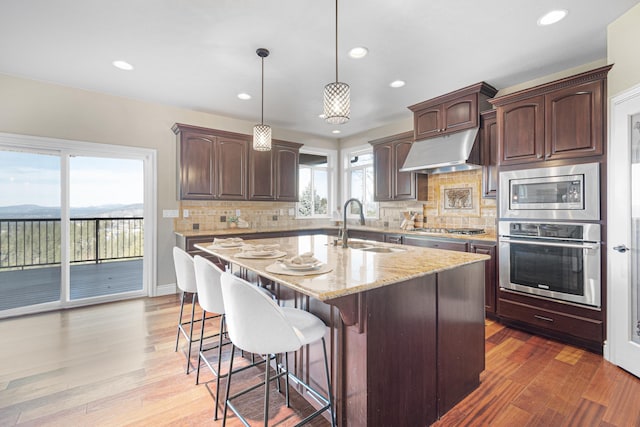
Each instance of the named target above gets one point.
<point>554,193</point>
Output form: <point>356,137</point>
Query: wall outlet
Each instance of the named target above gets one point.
<point>237,212</point>
<point>223,218</point>
<point>185,213</point>
<point>196,226</point>
<point>274,218</point>
<point>170,213</point>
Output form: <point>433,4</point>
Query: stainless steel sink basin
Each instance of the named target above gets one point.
<point>360,245</point>
<point>367,247</point>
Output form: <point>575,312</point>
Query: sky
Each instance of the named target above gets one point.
<point>29,178</point>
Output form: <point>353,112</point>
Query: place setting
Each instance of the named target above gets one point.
<point>226,243</point>
<point>260,252</point>
<point>300,265</point>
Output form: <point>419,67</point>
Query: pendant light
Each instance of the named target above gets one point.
<point>337,102</point>
<point>262,132</point>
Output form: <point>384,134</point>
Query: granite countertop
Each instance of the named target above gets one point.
<point>489,237</point>
<point>353,270</point>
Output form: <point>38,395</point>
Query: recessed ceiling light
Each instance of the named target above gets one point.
<point>123,65</point>
<point>552,17</point>
<point>397,83</point>
<point>335,131</point>
<point>358,52</point>
<point>244,96</point>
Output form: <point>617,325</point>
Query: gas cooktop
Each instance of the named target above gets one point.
<point>452,230</point>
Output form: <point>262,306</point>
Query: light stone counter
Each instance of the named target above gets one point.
<point>488,237</point>
<point>353,270</point>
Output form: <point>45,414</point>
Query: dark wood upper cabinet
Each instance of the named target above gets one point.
<point>559,120</point>
<point>574,121</point>
<point>273,175</point>
<point>230,163</point>
<point>286,171</point>
<point>389,183</point>
<point>452,112</point>
<point>521,131</point>
<point>212,164</point>
<point>198,179</point>
<point>220,165</point>
<point>488,153</point>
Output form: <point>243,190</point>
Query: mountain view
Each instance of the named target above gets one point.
<point>46,212</point>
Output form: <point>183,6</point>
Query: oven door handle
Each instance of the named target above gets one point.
<point>590,246</point>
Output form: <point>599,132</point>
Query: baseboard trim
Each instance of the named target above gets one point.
<point>168,289</point>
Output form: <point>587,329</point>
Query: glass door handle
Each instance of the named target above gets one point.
<point>621,248</point>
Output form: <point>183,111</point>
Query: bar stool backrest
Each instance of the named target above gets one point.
<point>208,283</point>
<point>255,323</point>
<point>185,272</point>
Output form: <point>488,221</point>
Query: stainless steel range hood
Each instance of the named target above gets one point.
<point>448,153</point>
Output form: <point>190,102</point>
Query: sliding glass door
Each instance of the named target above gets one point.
<point>106,229</point>
<point>30,232</point>
<point>76,223</point>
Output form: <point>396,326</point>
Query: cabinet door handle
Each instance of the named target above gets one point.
<point>621,248</point>
<point>546,319</point>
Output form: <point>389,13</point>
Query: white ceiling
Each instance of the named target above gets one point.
<point>199,54</point>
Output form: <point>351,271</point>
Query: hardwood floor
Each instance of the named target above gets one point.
<point>114,365</point>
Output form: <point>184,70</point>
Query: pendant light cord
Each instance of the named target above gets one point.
<point>262,107</point>
<point>336,41</point>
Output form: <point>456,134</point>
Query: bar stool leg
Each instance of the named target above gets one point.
<point>180,319</point>
<point>226,398</point>
<point>286,379</point>
<point>215,413</point>
<point>193,312</point>
<point>329,391</point>
<point>204,316</point>
<point>266,389</point>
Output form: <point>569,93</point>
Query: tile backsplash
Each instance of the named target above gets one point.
<point>207,215</point>
<point>469,211</point>
<point>441,210</point>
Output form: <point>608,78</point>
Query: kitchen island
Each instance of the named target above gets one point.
<point>406,327</point>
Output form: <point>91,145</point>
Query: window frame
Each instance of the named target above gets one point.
<point>332,156</point>
<point>346,177</point>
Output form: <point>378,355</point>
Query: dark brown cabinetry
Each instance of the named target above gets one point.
<point>563,119</point>
<point>436,244</point>
<point>489,275</point>
<point>488,153</point>
<point>212,164</point>
<point>273,175</point>
<point>452,112</point>
<point>389,155</point>
<point>567,322</point>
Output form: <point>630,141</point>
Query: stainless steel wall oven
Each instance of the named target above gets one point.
<point>554,260</point>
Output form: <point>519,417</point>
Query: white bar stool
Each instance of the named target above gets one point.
<point>256,324</point>
<point>186,281</point>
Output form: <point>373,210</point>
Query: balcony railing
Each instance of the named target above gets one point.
<point>36,242</point>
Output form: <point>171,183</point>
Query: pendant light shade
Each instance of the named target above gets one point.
<point>262,132</point>
<point>337,95</point>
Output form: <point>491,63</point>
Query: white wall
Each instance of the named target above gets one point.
<point>622,50</point>
<point>35,108</point>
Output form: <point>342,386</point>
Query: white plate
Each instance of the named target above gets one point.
<point>301,267</point>
<point>229,245</point>
<point>261,254</point>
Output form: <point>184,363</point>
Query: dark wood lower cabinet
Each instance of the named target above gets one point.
<point>571,323</point>
<point>404,354</point>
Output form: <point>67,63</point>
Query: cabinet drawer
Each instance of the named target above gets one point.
<point>580,327</point>
<point>436,244</point>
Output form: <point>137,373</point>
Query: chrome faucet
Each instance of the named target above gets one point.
<point>345,236</point>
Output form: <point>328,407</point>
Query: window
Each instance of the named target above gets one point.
<point>315,185</point>
<point>359,181</point>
